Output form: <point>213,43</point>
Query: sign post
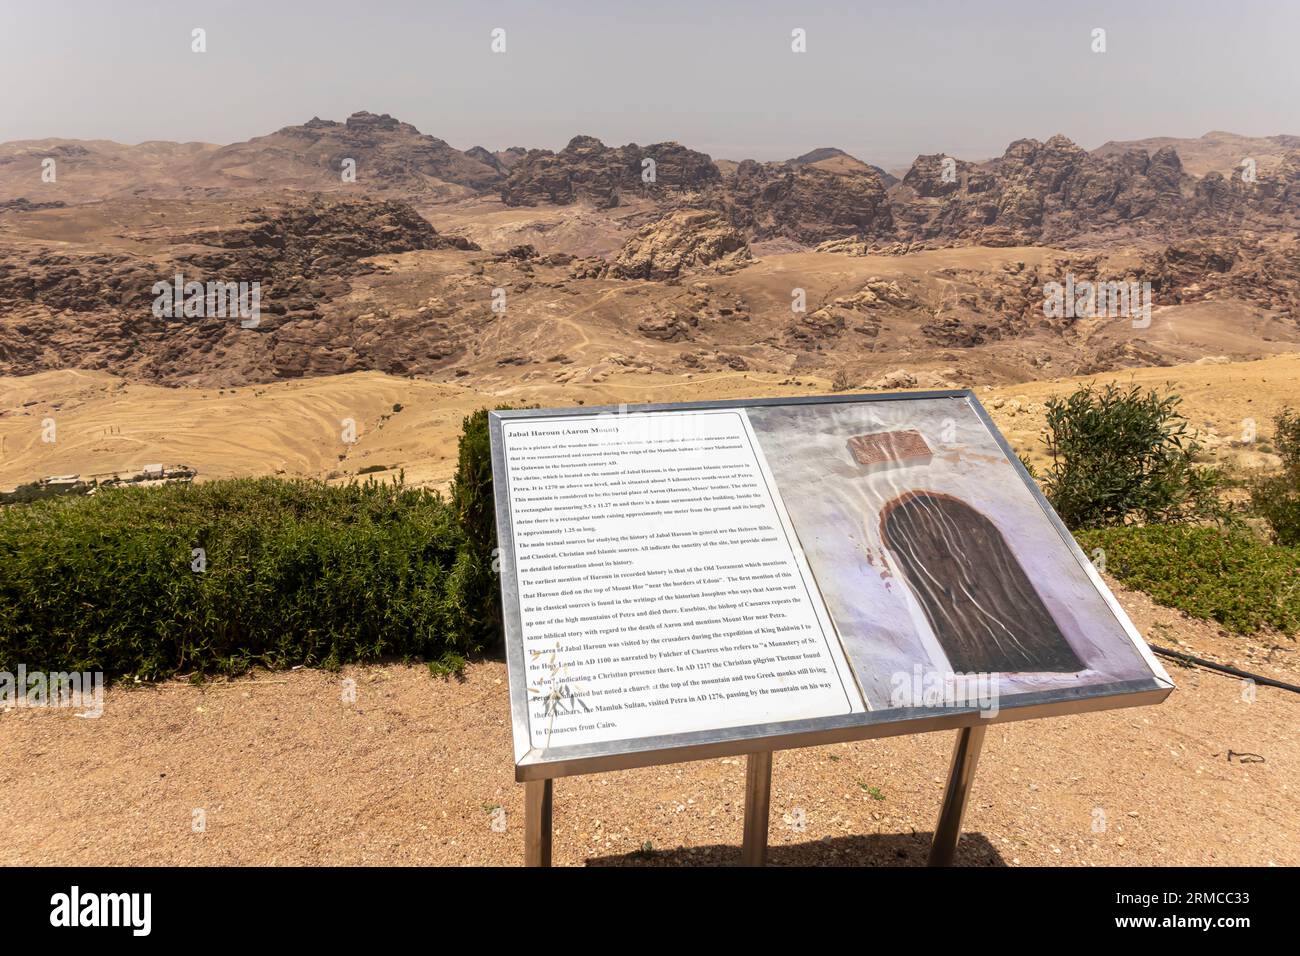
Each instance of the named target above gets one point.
<point>538,798</point>
<point>758,794</point>
<point>947,830</point>
<point>691,581</point>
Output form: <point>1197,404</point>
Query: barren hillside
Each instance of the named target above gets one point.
<point>440,280</point>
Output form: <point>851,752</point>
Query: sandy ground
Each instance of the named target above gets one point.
<point>105,424</point>
<point>287,772</point>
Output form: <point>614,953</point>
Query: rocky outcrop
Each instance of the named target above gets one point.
<point>479,154</point>
<point>857,246</point>
<point>1054,192</point>
<point>503,162</point>
<point>23,204</point>
<point>862,312</point>
<point>682,241</point>
<point>319,235</point>
<point>389,155</point>
<point>698,311</point>
<point>833,159</point>
<point>95,310</point>
<point>670,327</point>
<point>284,243</point>
<point>588,169</point>
<point>804,203</point>
<point>1265,273</point>
<point>1037,192</point>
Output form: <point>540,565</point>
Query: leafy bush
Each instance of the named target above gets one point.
<point>475,507</point>
<point>1227,576</point>
<point>1278,503</point>
<point>1277,498</point>
<point>290,572</point>
<point>1120,456</point>
<point>471,489</point>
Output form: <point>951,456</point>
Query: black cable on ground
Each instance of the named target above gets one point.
<point>1224,668</point>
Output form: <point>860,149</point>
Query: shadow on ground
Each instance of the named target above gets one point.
<point>883,849</point>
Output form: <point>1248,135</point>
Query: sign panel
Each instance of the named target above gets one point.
<point>688,579</point>
<point>661,588</point>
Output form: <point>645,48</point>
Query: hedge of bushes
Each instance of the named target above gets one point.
<point>1226,575</point>
<point>218,576</point>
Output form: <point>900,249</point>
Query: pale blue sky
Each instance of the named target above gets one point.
<point>884,81</point>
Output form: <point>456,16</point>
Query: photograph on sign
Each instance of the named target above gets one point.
<point>933,555</point>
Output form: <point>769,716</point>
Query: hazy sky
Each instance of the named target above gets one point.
<point>883,81</point>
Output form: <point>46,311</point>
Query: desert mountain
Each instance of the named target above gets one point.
<point>88,170</point>
<point>390,156</point>
<point>1054,192</point>
<point>519,267</point>
<point>1215,152</point>
<point>1036,192</point>
<point>502,161</point>
<point>807,204</point>
<point>587,169</point>
<point>835,160</point>
<point>92,306</point>
<point>352,284</point>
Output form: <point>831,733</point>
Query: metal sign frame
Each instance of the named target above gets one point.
<point>539,767</point>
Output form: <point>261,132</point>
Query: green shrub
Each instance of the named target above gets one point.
<point>471,489</point>
<point>1287,440</point>
<point>1277,498</point>
<point>1278,502</point>
<point>1231,577</point>
<point>292,572</point>
<point>1119,456</point>
<point>475,508</point>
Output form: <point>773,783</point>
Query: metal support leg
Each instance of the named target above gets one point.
<point>947,831</point>
<point>537,822</point>
<point>758,799</point>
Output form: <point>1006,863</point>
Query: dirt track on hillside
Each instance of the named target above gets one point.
<point>286,772</point>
